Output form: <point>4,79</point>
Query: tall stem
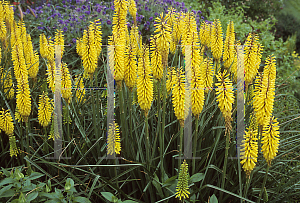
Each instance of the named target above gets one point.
<point>27,137</point>
<point>180,147</point>
<point>195,145</point>
<point>130,116</point>
<point>264,183</point>
<point>122,115</point>
<point>225,164</point>
<point>164,94</point>
<point>93,108</point>
<point>159,126</point>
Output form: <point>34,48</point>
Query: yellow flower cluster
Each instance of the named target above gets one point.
<point>190,27</point>
<point>130,72</point>
<point>132,10</point>
<point>45,110</point>
<point>270,140</point>
<point>225,95</point>
<point>265,93</point>
<point>182,188</point>
<point>113,139</point>
<point>217,40</point>
<point>59,40</point>
<point>156,59</point>
<point>229,48</point>
<point>66,83</point>
<point>249,151</point>
<point>80,92</point>
<point>207,72</point>
<point>144,81</point>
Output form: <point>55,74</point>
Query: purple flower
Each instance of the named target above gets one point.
<point>108,22</point>
<point>65,29</point>
<point>41,23</point>
<point>61,21</point>
<point>103,13</point>
<point>147,23</point>
<point>74,40</point>
<point>78,9</point>
<point>156,14</point>
<point>48,5</point>
<point>83,7</point>
<point>87,12</point>
<point>63,2</point>
<point>202,17</point>
<point>59,15</point>
<point>98,10</point>
<point>64,6</point>
<point>67,21</point>
<point>199,11</point>
<point>151,18</point>
<point>112,7</point>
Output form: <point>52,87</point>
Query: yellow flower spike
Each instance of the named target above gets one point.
<point>130,73</point>
<point>33,61</point>
<point>66,83</point>
<point>156,59</point>
<point>79,47</point>
<point>225,98</point>
<point>51,74</point>
<point>250,58</point>
<point>18,59</point>
<point>23,98</point>
<point>265,92</point>
<point>134,38</point>
<point>217,40</point>
<point>164,37</point>
<point>8,14</point>
<point>228,55</point>
<point>133,10</point>
<point>43,42</point>
<point>177,28</point>
<point>89,52</point>
<point>13,150</point>
<point>178,93</point>
<point>249,150</point>
<point>207,72</point>
<point>59,40</point>
<point>208,34</point>
<point>98,37</point>
<point>3,31</point>
<point>1,11</point>
<point>270,140</point>
<point>144,81</point>
<point>7,124</point>
<point>202,33</point>
<point>113,139</point>
<point>190,27</point>
<point>182,188</point>
<point>45,110</point>
<point>119,58</point>
<point>80,92</point>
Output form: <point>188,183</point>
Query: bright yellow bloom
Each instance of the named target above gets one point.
<point>182,188</point>
<point>250,58</point>
<point>264,94</point>
<point>249,149</point>
<point>45,110</point>
<point>163,36</point>
<point>1,11</point>
<point>228,55</point>
<point>113,139</point>
<point>132,10</point>
<point>8,83</point>
<point>79,47</point>
<point>207,72</point>
<point>202,33</point>
<point>33,60</point>
<point>3,31</point>
<point>130,73</point>
<point>43,42</point>
<point>178,27</point>
<point>134,38</point>
<point>178,93</point>
<point>51,74</point>
<point>23,98</point>
<point>156,59</point>
<point>217,40</point>
<point>270,140</point>
<point>98,37</point>
<point>6,123</point>
<point>18,59</point>
<point>118,59</point>
<point>208,34</point>
<point>225,95</point>
<point>89,56</point>
<point>66,83</point>
<point>8,14</point>
<point>190,27</point>
<point>59,40</point>
<point>49,48</point>
<point>80,92</point>
<point>144,81</point>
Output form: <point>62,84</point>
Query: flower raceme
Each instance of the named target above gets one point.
<point>249,151</point>
<point>44,110</point>
<point>190,27</point>
<point>59,40</point>
<point>228,55</point>
<point>66,83</point>
<point>80,91</point>
<point>23,99</point>
<point>89,52</point>
<point>270,140</point>
<point>265,93</point>
<point>182,188</point>
<point>33,60</point>
<point>217,40</point>
<point>132,10</point>
<point>51,74</point>
<point>207,72</point>
<point>144,81</point>
<point>6,122</point>
<point>225,97</point>
<point>113,139</point>
<point>250,58</point>
<point>156,59</point>
<point>130,72</point>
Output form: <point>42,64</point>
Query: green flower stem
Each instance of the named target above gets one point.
<point>247,185</point>
<point>130,117</point>
<point>264,183</point>
<point>27,136</point>
<point>225,164</point>
<point>147,141</point>
<point>195,145</point>
<point>180,147</point>
<point>122,114</point>
<point>164,94</point>
<point>93,109</point>
<point>161,135</point>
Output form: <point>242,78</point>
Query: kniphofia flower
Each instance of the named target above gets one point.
<point>228,55</point>
<point>113,139</point>
<point>207,73</point>
<point>130,74</point>
<point>44,110</point>
<point>89,52</point>
<point>182,188</point>
<point>250,58</point>
<point>217,40</point>
<point>156,59</point>
<point>66,83</point>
